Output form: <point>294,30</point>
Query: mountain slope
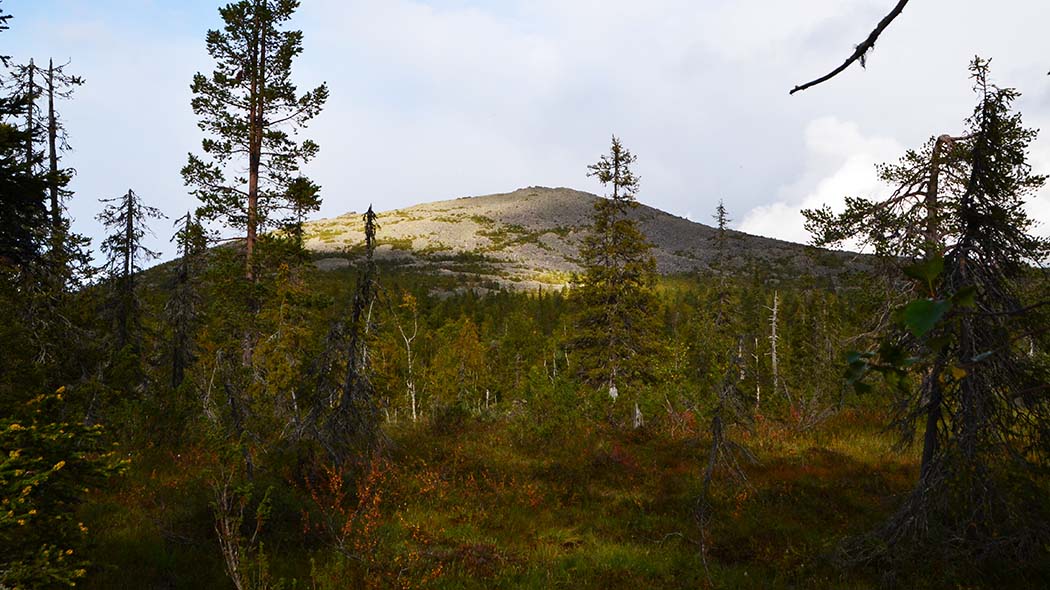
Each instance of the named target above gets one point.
<point>530,237</point>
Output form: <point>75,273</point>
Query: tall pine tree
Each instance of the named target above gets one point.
<point>249,110</point>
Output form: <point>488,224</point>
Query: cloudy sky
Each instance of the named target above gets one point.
<point>446,98</point>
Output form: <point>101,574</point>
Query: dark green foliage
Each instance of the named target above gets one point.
<point>22,197</point>
<point>126,218</point>
<point>249,110</point>
<point>182,308</point>
<point>954,361</point>
<point>303,198</point>
<point>48,465</point>
<point>615,333</point>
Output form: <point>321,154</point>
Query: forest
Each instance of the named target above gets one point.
<point>237,416</point>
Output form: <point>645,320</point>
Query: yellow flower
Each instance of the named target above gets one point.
<point>59,465</point>
<point>32,512</point>
<point>16,426</point>
<point>21,522</point>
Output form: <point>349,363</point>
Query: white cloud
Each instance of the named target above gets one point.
<point>1039,206</point>
<point>840,162</point>
<point>433,99</point>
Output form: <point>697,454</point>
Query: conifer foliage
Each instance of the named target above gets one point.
<point>22,186</point>
<point>249,110</point>
<point>615,333</point>
<point>127,218</point>
<point>181,309</point>
<point>953,354</point>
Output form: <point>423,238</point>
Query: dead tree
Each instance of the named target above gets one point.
<point>410,380</point>
<point>59,85</point>
<point>55,84</point>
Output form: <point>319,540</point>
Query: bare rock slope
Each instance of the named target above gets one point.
<point>530,237</point>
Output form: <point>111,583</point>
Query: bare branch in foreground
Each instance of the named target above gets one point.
<point>860,51</point>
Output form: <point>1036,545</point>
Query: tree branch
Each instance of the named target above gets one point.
<point>866,46</point>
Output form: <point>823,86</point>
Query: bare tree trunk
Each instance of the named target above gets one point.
<point>773,339</point>
<point>758,382</point>
<point>410,381</point>
<point>933,238</point>
<point>30,95</point>
<point>52,153</point>
<point>127,277</point>
<point>930,444</point>
<point>255,140</point>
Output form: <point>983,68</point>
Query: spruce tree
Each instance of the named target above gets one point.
<point>952,356</point>
<point>127,218</point>
<point>50,84</point>
<point>351,426</point>
<point>616,328</point>
<point>22,186</point>
<point>181,308</point>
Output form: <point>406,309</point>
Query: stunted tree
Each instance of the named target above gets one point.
<point>250,110</point>
<point>615,330</point>
<point>959,355</point>
<point>303,198</point>
<point>181,308</point>
<point>127,219</point>
<point>348,399</point>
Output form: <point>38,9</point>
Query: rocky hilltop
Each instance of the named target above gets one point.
<point>530,237</point>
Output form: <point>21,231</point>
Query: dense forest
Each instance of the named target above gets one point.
<point>239,417</point>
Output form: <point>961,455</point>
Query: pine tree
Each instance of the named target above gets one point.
<point>304,198</point>
<point>615,331</point>
<point>127,218</point>
<point>249,110</point>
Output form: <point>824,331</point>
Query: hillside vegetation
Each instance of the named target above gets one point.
<point>530,238</point>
